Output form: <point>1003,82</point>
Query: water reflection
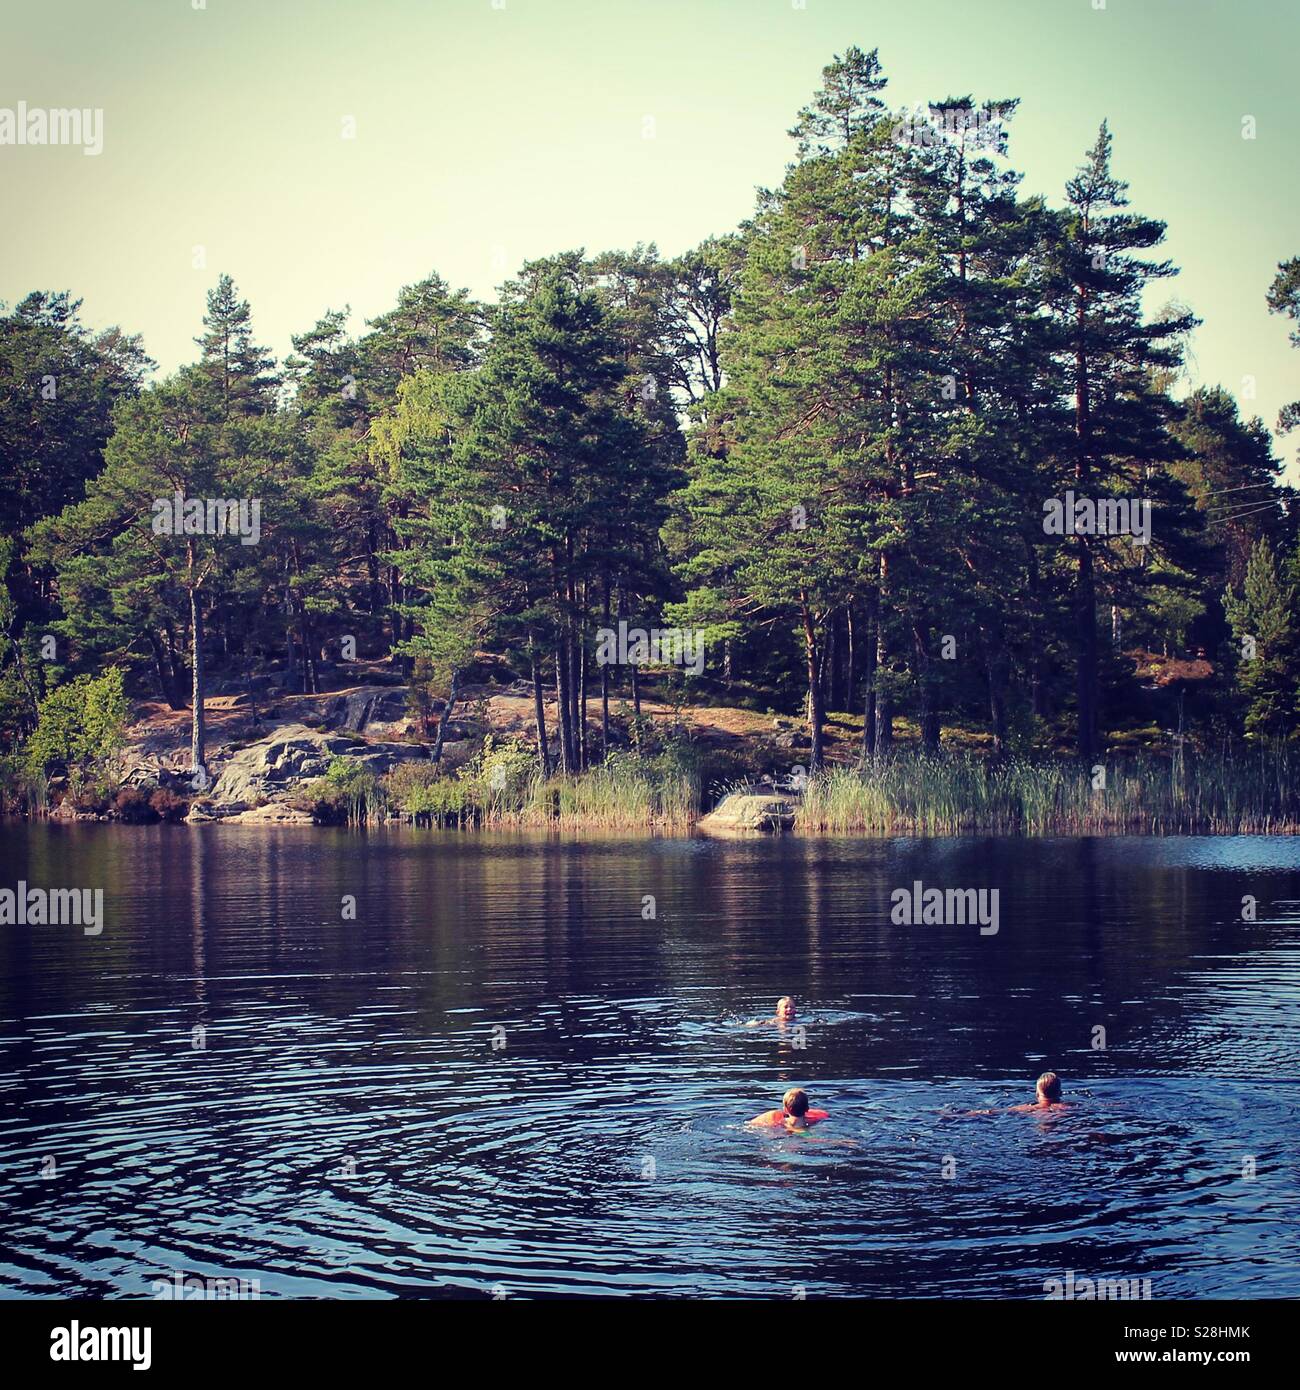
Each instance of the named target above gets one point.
<point>503,1072</point>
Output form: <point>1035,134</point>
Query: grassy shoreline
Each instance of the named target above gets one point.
<point>909,793</point>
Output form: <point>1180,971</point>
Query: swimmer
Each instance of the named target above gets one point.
<point>793,1114</point>
<point>1047,1096</point>
<point>785,1013</point>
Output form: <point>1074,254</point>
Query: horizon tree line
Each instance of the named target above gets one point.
<point>825,439</point>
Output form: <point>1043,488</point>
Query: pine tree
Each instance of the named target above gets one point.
<point>1108,354</point>
<point>1234,478</point>
<point>240,376</point>
<point>1263,620</point>
<point>344,388</point>
<point>1284,298</point>
<point>845,104</point>
<point>523,486</point>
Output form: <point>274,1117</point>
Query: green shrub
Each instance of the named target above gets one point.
<point>444,802</point>
<point>347,794</point>
<point>81,727</point>
<point>407,780</point>
<point>91,797</point>
<point>427,795</point>
<point>500,777</point>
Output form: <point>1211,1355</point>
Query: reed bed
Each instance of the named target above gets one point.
<point>624,793</point>
<point>1253,792</point>
<point>953,793</point>
<point>607,799</point>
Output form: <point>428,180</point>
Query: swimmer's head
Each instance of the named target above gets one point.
<point>1049,1086</point>
<point>785,1008</point>
<point>795,1102</point>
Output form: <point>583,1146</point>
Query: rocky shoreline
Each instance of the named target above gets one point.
<point>266,746</point>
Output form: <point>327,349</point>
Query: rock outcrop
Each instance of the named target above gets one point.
<point>378,709</point>
<point>266,771</point>
<point>748,811</point>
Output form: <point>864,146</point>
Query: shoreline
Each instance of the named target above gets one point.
<point>691,831</point>
<point>354,758</point>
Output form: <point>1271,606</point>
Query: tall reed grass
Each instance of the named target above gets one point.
<point>953,793</point>
<point>499,789</point>
<point>1254,792</point>
<point>609,797</point>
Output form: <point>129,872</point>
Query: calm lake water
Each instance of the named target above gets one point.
<point>503,1076</point>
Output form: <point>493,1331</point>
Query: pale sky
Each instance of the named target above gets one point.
<point>488,132</point>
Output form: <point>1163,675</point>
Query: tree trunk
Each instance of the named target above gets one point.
<point>174,663</point>
<point>436,755</point>
<point>1085,597</point>
<point>374,588</point>
<point>166,681</point>
<point>884,698</point>
<point>252,693</point>
<point>394,598</point>
<point>869,675</point>
<point>826,668</point>
<point>310,677</point>
<point>539,713</point>
<point>838,645</point>
<point>996,663</point>
<point>816,715</point>
<point>584,677</point>
<point>562,704</point>
<point>851,653</point>
<point>604,688</point>
<point>998,709</point>
<point>929,711</point>
<point>197,731</point>
<point>1085,615</point>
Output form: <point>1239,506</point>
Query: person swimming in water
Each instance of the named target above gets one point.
<point>795,1112</point>
<point>1047,1096</point>
<point>785,1013</point>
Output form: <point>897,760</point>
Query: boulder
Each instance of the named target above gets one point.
<point>274,813</point>
<point>370,705</point>
<point>740,811</point>
<point>66,810</point>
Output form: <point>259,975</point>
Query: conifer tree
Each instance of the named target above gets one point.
<point>240,377</point>
<point>1263,618</point>
<point>1108,353</point>
<point>1284,298</point>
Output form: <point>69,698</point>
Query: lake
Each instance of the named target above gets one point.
<point>523,1067</point>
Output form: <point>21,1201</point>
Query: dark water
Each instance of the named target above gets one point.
<point>348,1128</point>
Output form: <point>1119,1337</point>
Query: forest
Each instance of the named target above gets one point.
<point>912,445</point>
